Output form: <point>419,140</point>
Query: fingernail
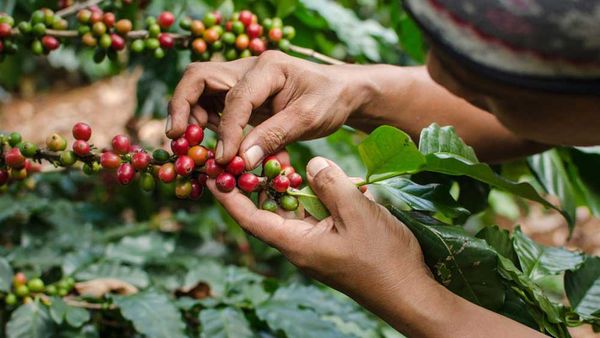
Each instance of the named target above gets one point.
<point>169,124</point>
<point>219,151</point>
<point>192,120</point>
<point>254,155</point>
<point>316,165</point>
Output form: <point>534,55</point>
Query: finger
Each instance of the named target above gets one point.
<point>334,188</point>
<point>186,95</point>
<point>356,180</point>
<point>199,115</point>
<point>270,136</point>
<point>250,93</point>
<point>267,226</point>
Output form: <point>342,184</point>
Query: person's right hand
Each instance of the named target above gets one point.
<point>285,98</point>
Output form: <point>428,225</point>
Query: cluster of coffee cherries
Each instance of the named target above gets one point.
<point>35,31</point>
<point>189,166</point>
<point>25,290</point>
<point>7,43</point>
<point>101,29</point>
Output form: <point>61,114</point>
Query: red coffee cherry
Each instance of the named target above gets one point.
<point>125,173</point>
<point>5,30</point>
<point>82,131</point>
<point>248,182</point>
<point>123,26</point>
<point>3,177</point>
<point>218,17</point>
<point>194,134</point>
<point>165,20</point>
<point>211,154</point>
<point>81,148</point>
<point>180,146</point>
<point>118,42</point>
<point>110,160</point>
<point>245,17</point>
<point>199,46</point>
<point>257,46</point>
<point>50,43</point>
<point>211,35</point>
<point>199,154</point>
<point>196,192</point>
<point>184,165</point>
<point>295,180</point>
<point>202,178</point>
<point>32,167</point>
<point>225,182</point>
<point>136,148</point>
<point>167,173</point>
<point>236,166</point>
<point>166,40</point>
<point>14,158</point>
<point>254,30</point>
<point>96,16</point>
<point>242,42</point>
<point>212,168</point>
<point>109,19</point>
<point>140,160</point>
<point>121,144</point>
<point>275,34</point>
<point>281,183</point>
<point>287,170</point>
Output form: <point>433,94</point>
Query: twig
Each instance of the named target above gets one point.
<point>87,305</point>
<point>313,54</point>
<point>76,7</point>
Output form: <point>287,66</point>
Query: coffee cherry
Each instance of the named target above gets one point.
<point>254,30</point>
<point>211,35</point>
<point>199,46</point>
<point>25,27</point>
<point>19,279</point>
<point>275,34</point>
<point>67,158</point>
<point>138,46</point>
<point>60,24</point>
<point>82,131</point>
<point>248,182</point>
<point>109,19</point>
<point>284,45</point>
<point>51,290</point>
<point>287,170</point>
<point>242,42</point>
<point>225,182</point>
<point>281,183</point>
<point>121,144</point>
<point>238,27</point>
<point>277,22</point>
<point>210,20</point>
<point>154,30</point>
<point>84,16</point>
<point>228,38</point>
<point>32,167</point>
<point>10,299</point>
<point>36,285</point>
<point>117,42</point>
<point>28,149</point>
<point>184,165</point>
<point>180,146</point>
<point>125,173</point>
<point>110,160</point>
<point>231,54</point>
<point>196,192</point>
<point>166,40</point>
<point>1,47</point>
<point>81,148</point>
<point>295,180</point>
<point>5,30</point>
<point>50,43</point>
<point>165,20</point>
<point>14,158</point>
<point>3,177</point>
<point>38,17</point>
<point>269,205</point>
<point>185,23</point>
<point>18,174</point>
<point>194,134</point>
<point>89,40</point>
<point>22,291</point>
<point>147,182</point>
<point>37,48</point>
<point>236,166</point>
<point>99,28</point>
<point>272,168</point>
<point>183,188</point>
<point>197,28</point>
<point>202,179</point>
<point>92,169</point>
<point>140,160</point>
<point>213,169</point>
<point>198,154</point>
<point>289,203</point>
<point>39,29</point>
<point>245,17</point>
<point>160,155</point>
<point>289,32</point>
<point>152,44</point>
<point>14,139</point>
<point>257,46</point>
<point>167,173</point>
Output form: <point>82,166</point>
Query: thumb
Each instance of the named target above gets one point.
<point>334,188</point>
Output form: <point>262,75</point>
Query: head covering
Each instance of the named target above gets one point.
<point>551,45</point>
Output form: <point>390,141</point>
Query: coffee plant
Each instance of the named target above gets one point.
<point>121,241</point>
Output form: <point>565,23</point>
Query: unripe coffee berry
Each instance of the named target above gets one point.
<point>289,203</point>
<point>125,173</point>
<point>211,35</point>
<point>105,41</point>
<point>82,131</point>
<point>147,182</point>
<point>272,168</point>
<point>138,46</point>
<point>180,146</point>
<point>199,154</point>
<point>295,180</point>
<point>89,40</point>
<point>22,291</point>
<point>238,27</point>
<point>184,165</point>
<point>67,158</point>
<point>161,155</point>
<point>228,38</point>
<point>99,28</point>
<point>84,16</point>
<point>197,28</point>
<point>183,188</point>
<point>36,285</point>
<point>248,182</point>
<point>110,160</point>
<point>3,177</point>
<point>14,158</point>
<point>194,134</point>
<point>14,139</point>
<point>167,173</point>
<point>213,169</point>
<point>81,148</point>
<point>269,205</point>
<point>210,20</point>
<point>197,190</point>
<point>225,182</point>
<point>18,174</point>
<point>166,20</point>
<point>281,183</point>
<point>28,149</point>
<point>166,40</point>
<point>121,144</point>
<point>140,160</point>
<point>10,299</point>
<point>152,44</point>
<point>242,41</point>
<point>123,26</point>
<point>289,32</point>
<point>199,46</point>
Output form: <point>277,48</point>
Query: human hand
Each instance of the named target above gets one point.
<point>361,246</point>
<point>286,98</point>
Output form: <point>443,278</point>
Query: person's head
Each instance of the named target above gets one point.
<point>539,93</point>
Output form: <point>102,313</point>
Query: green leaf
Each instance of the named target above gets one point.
<point>431,198</point>
<point>30,320</point>
<point>388,152</point>
<point>133,275</point>
<point>58,309</point>
<point>465,265</point>
<point>224,323</point>
<point>500,240</point>
<point>538,261</point>
<point>152,314</point>
<point>6,275</point>
<point>285,7</point>
<point>76,317</point>
<point>311,203</point>
<point>141,249</point>
<point>435,139</point>
<point>583,288</point>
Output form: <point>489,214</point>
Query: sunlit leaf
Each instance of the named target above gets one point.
<point>583,288</point>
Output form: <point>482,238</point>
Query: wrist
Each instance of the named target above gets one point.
<point>358,87</point>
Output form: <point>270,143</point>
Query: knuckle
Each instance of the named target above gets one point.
<point>274,138</point>
<point>193,68</point>
<point>326,179</point>
<point>237,93</point>
<point>270,56</point>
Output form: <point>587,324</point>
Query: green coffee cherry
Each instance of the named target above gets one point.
<point>28,149</point>
<point>51,290</point>
<point>36,285</point>
<point>159,53</point>
<point>138,46</point>
<point>268,24</point>
<point>150,21</point>
<point>154,30</point>
<point>68,158</point>
<point>209,20</point>
<point>270,205</point>
<point>14,139</point>
<point>105,41</point>
<point>289,32</point>
<point>152,44</point>
<point>185,24</point>
<point>160,155</point>
<point>217,46</point>
<point>238,28</point>
<point>231,54</point>
<point>284,45</point>
<point>147,182</point>
<point>272,168</point>
<point>39,29</point>
<point>277,23</point>
<point>22,291</point>
<point>10,299</point>
<point>37,48</point>
<point>38,17</point>
<point>25,27</point>
<point>228,38</point>
<point>289,203</point>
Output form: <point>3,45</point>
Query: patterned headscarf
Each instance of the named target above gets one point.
<point>551,45</point>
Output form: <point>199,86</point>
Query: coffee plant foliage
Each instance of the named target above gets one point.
<point>83,256</point>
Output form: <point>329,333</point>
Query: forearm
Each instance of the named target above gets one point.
<point>406,97</point>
